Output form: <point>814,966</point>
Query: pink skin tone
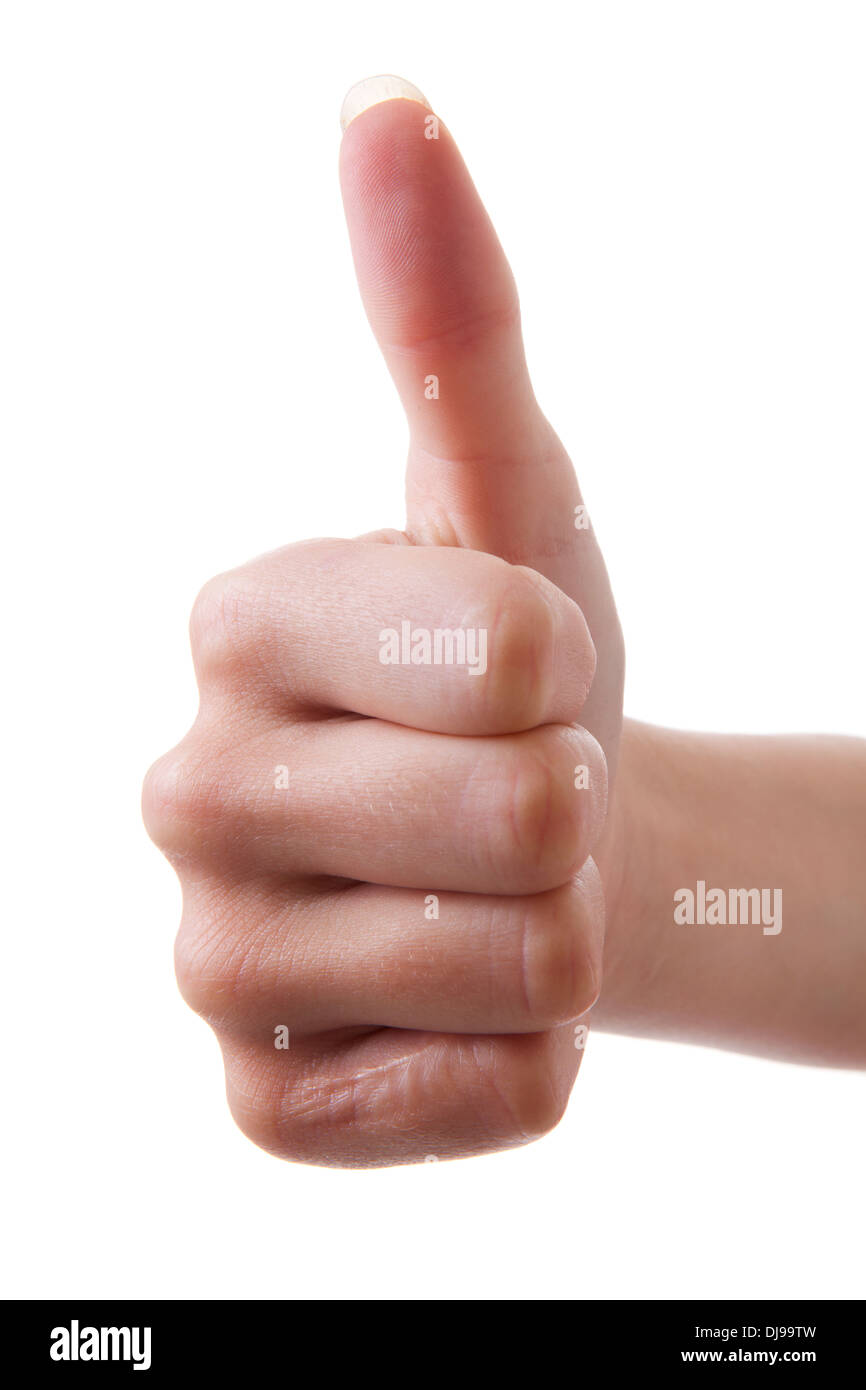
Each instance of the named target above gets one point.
<point>305,907</point>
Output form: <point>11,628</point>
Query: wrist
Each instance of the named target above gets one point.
<point>633,837</point>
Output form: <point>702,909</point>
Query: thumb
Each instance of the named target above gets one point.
<point>485,470</point>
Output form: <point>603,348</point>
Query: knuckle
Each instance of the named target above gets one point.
<point>257,1101</point>
<point>540,833</point>
<point>161,795</point>
<point>522,644</point>
<point>298,1117</point>
<point>180,798</point>
<point>208,966</point>
<point>522,1077</point>
<point>558,977</point>
<point>233,970</point>
<point>538,1102</point>
<point>225,622</point>
<point>193,970</point>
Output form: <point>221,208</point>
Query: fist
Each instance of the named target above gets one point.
<point>388,901</point>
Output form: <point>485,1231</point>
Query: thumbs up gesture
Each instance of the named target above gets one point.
<point>389,814</point>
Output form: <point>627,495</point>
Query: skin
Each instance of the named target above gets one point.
<point>304,907</point>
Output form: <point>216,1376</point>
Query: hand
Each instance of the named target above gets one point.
<point>388,866</point>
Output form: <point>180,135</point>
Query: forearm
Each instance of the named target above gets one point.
<point>786,815</point>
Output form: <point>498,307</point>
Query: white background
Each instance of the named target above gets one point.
<point>188,380</point>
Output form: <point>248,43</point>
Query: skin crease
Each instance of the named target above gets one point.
<point>304,907</point>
